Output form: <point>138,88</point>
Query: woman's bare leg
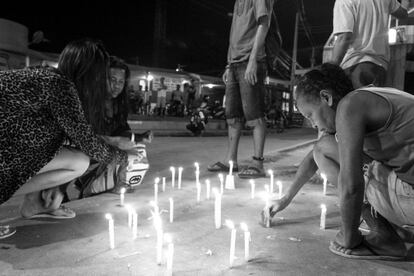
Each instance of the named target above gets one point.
<point>41,191</point>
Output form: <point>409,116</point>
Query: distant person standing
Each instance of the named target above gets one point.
<point>189,92</point>
<point>177,101</point>
<point>361,47</point>
<point>161,97</point>
<point>244,78</point>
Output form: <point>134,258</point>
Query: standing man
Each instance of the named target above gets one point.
<point>361,47</point>
<point>244,78</point>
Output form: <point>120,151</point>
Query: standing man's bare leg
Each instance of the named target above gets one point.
<point>259,135</point>
<point>234,133</point>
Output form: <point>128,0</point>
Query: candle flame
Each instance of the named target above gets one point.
<point>170,199</point>
<point>196,165</point>
<point>208,181</point>
<point>220,176</point>
<point>108,216</point>
<point>216,191</point>
<point>270,172</point>
<point>251,182</point>
<point>229,224</point>
<point>231,162</point>
<point>180,169</point>
<point>172,169</point>
<point>128,207</point>
<point>123,190</point>
<point>323,206</point>
<point>157,180</point>
<point>323,176</point>
<point>243,226</point>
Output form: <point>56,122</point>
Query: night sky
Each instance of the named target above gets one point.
<point>197,30</point>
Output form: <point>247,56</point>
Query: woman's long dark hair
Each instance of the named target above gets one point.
<point>85,62</point>
<point>120,103</point>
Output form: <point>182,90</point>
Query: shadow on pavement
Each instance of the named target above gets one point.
<point>49,231</point>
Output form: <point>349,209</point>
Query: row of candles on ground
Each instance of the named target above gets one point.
<point>161,237</point>
<point>133,216</point>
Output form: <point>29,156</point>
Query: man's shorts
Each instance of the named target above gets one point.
<point>366,73</point>
<point>244,100</point>
<point>389,195</point>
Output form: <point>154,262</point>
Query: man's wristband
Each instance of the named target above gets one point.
<point>228,66</point>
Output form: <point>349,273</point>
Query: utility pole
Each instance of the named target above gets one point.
<point>160,32</point>
<point>294,60</point>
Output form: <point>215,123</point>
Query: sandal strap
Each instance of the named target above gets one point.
<point>258,158</point>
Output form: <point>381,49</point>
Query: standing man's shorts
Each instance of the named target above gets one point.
<point>366,73</point>
<point>389,195</point>
<point>244,100</point>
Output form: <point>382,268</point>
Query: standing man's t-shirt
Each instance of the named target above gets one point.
<point>367,20</point>
<point>244,26</point>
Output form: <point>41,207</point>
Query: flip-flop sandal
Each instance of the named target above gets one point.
<point>62,212</point>
<point>6,231</point>
<point>257,173</point>
<point>220,167</point>
<point>369,253</point>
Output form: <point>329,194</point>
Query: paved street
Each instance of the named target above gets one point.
<point>294,245</point>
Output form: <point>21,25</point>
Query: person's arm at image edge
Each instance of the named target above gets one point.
<point>343,40</point>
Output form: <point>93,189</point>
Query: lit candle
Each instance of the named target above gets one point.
<point>267,189</point>
<point>208,189</point>
<point>111,230</point>
<point>253,186</point>
<point>157,180</point>
<point>170,253</point>
<point>279,185</point>
<point>180,172</point>
<point>230,225</point>
<point>156,208</point>
<point>323,216</point>
<point>325,183</point>
<point>122,197</point>
<point>198,192</point>
<point>171,209</point>
<point>221,178</point>
<point>134,224</point>
<point>172,169</point>
<point>247,238</point>
<point>197,172</point>
<point>163,184</point>
<point>270,172</point>
<point>267,207</point>
<point>129,209</point>
<point>158,229</point>
<point>217,208</point>
<point>230,177</point>
<point>132,137</point>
